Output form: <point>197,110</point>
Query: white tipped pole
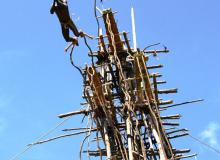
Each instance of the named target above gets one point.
<point>129,133</point>
<point>134,29</point>
<point>100,31</point>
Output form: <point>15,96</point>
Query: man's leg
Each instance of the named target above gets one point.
<point>74,29</point>
<point>65,32</point>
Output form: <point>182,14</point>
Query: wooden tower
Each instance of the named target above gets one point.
<point>122,94</point>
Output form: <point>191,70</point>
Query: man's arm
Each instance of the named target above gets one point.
<point>52,9</point>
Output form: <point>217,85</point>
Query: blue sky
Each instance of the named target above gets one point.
<point>37,81</point>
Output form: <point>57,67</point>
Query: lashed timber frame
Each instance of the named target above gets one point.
<point>122,97</point>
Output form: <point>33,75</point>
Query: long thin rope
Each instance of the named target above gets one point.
<point>96,17</point>
<point>201,142</point>
<point>205,144</point>
<point>90,50</point>
<point>73,64</point>
<point>38,139</point>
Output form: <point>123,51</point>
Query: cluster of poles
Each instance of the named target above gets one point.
<point>123,103</point>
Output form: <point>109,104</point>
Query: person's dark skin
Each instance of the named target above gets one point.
<point>60,7</point>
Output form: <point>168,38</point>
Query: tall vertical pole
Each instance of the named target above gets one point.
<point>128,121</point>
<point>160,146</point>
<point>129,134</point>
<point>134,29</point>
<point>107,142</point>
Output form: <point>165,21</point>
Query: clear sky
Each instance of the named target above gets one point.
<point>37,81</point>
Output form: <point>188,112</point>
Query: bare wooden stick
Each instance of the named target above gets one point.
<point>170,124</point>
<point>179,130</point>
<point>127,42</point>
<point>155,75</point>
<point>96,152</point>
<point>166,102</point>
<point>59,137</point>
<point>161,82</point>
<point>187,102</point>
<point>168,129</point>
<point>157,51</point>
<point>73,113</point>
<point>75,129</point>
<point>181,151</point>
<point>107,142</point>
<point>179,135</point>
<point>177,116</point>
<point>167,91</point>
<point>155,66</point>
<point>129,135</point>
<point>183,157</point>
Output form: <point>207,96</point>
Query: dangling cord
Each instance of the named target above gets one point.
<point>90,50</point>
<point>96,17</point>
<point>152,45</point>
<point>39,139</point>
<point>71,60</point>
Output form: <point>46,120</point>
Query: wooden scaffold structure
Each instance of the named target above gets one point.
<point>123,103</point>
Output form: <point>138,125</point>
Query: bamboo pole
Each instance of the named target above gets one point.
<point>134,29</point>
<point>167,91</point>
<point>177,116</point>
<point>155,66</point>
<point>179,135</point>
<point>61,136</point>
<point>73,113</point>
<point>179,130</point>
<point>156,51</point>
<point>187,102</point>
<point>129,136</point>
<point>160,146</point>
<point>107,141</point>
<point>165,102</point>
